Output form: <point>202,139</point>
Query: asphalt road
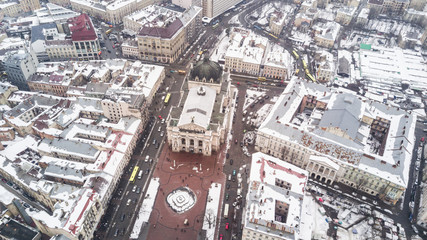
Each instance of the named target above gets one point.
<point>120,216</point>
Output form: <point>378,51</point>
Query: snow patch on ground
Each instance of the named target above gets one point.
<point>252,95</point>
<point>146,208</point>
<point>211,211</point>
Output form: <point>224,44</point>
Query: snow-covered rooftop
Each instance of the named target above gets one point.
<point>274,203</point>
<point>344,111</point>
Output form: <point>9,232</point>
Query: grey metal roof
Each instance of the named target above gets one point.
<point>343,113</point>
<point>37,31</point>
<point>198,107</point>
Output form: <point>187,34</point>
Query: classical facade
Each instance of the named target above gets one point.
<point>80,41</point>
<point>163,34</point>
<point>19,65</point>
<point>109,11</point>
<point>200,126</point>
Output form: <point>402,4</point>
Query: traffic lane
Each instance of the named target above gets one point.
<point>123,199</point>
<point>128,210</point>
<point>236,154</point>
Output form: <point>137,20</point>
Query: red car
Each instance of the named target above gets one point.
<point>422,139</point>
<point>220,236</point>
<point>160,117</point>
<point>227,226</point>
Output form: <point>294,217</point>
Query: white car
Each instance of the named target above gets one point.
<point>128,202</point>
<point>146,158</point>
<point>134,188</point>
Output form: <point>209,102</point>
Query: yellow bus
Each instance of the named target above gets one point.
<point>167,98</point>
<point>304,64</point>
<point>295,54</point>
<point>108,31</point>
<point>310,77</point>
<point>272,35</point>
<point>134,173</point>
<point>262,79</point>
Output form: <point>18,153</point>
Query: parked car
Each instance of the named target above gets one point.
<point>231,161</point>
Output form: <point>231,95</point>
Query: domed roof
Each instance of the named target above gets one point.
<point>208,70</point>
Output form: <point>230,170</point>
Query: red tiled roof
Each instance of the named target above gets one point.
<point>81,28</point>
<point>162,32</point>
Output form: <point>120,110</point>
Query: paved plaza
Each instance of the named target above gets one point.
<point>185,179</point>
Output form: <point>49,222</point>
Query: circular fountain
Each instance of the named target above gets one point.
<point>181,199</point>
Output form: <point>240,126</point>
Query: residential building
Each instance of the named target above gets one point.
<point>395,6</point>
<point>19,66</point>
<point>79,41</point>
<point>305,5</point>
<point>388,6</point>
<point>362,18</point>
<point>200,126</point>
<point>276,202</point>
<point>14,8</point>
<point>325,70</point>
<point>130,49</point>
<point>11,229</point>
<point>213,8</point>
<point>10,9</point>
<point>39,33</point>
<point>353,3</point>
<point>6,90</point>
<point>326,34</point>
<point>163,39</point>
<point>246,52</point>
<point>351,131</point>
<point>75,167</point>
<point>187,3</point>
<point>29,5</point>
<point>278,64</point>
<point>303,18</point>
<point>277,21</point>
<point>109,11</point>
<point>418,5</point>
<point>345,15</point>
<point>416,17</point>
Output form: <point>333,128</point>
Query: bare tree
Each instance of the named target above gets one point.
<point>361,182</point>
<point>210,217</point>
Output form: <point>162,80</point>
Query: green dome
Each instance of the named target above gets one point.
<point>206,69</point>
